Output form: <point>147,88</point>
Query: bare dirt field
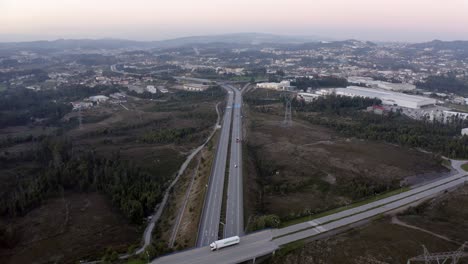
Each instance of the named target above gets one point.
<point>307,168</point>
<point>442,227</point>
<point>446,215</point>
<point>66,230</point>
<point>378,242</point>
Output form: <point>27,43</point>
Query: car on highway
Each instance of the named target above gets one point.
<point>235,165</point>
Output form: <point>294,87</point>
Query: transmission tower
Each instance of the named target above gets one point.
<point>80,119</point>
<point>287,122</point>
<point>451,257</point>
<point>369,260</point>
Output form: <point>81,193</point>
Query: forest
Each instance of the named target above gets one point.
<point>20,106</point>
<point>133,190</point>
<point>320,82</point>
<point>444,84</point>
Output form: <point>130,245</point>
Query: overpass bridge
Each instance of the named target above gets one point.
<point>266,242</point>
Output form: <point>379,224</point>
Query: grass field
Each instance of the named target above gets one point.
<point>340,209</point>
<point>61,229</point>
<point>465,167</point>
<point>378,241</point>
<point>308,170</point>
<point>383,241</point>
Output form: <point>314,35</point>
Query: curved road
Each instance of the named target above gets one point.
<point>160,207</point>
<point>265,242</point>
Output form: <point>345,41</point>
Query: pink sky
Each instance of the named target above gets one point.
<point>160,19</point>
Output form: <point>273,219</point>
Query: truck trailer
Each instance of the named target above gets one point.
<point>219,244</point>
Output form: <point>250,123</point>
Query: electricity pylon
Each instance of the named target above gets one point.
<point>287,122</point>
<point>451,257</point>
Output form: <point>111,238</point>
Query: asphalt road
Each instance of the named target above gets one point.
<point>422,189</point>
<point>259,243</point>
<point>262,243</point>
<point>209,225</point>
<point>234,223</point>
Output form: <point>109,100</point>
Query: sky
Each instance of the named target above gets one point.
<point>376,20</point>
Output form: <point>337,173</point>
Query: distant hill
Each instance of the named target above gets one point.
<point>62,44</point>
<point>336,44</point>
<point>239,38</point>
<point>459,47</point>
<point>441,45</point>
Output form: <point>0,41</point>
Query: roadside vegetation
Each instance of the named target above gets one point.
<point>465,167</point>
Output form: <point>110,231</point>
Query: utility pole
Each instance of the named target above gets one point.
<point>287,122</point>
<point>80,118</point>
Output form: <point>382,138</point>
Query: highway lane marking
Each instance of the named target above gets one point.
<point>317,226</point>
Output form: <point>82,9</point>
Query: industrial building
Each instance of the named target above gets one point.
<point>450,114</point>
<point>387,97</point>
<point>283,85</point>
<point>151,89</point>
<point>195,87</point>
<point>464,132</point>
<point>381,84</point>
<point>308,97</point>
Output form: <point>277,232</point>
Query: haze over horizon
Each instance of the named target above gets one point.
<point>397,20</point>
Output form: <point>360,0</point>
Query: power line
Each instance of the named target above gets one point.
<point>287,122</point>
<point>451,257</point>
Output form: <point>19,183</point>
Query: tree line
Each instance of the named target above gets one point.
<point>448,83</point>
<point>439,137</point>
<point>319,82</point>
<point>133,190</point>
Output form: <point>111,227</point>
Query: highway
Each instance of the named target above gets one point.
<point>210,220</point>
<point>258,244</point>
<point>315,227</point>
<point>234,224</point>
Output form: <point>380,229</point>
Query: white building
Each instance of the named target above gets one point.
<point>387,97</point>
<point>81,105</point>
<point>151,89</point>
<point>461,115</point>
<point>195,87</point>
<point>163,89</point>
<point>464,132</point>
<point>308,97</point>
<point>382,85</point>
<point>283,85</point>
<point>98,98</point>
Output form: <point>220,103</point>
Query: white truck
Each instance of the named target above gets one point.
<point>219,244</point>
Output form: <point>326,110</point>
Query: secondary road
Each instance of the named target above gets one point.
<point>259,243</point>
<point>210,220</point>
<point>147,234</point>
<point>234,225</point>
<point>252,245</point>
